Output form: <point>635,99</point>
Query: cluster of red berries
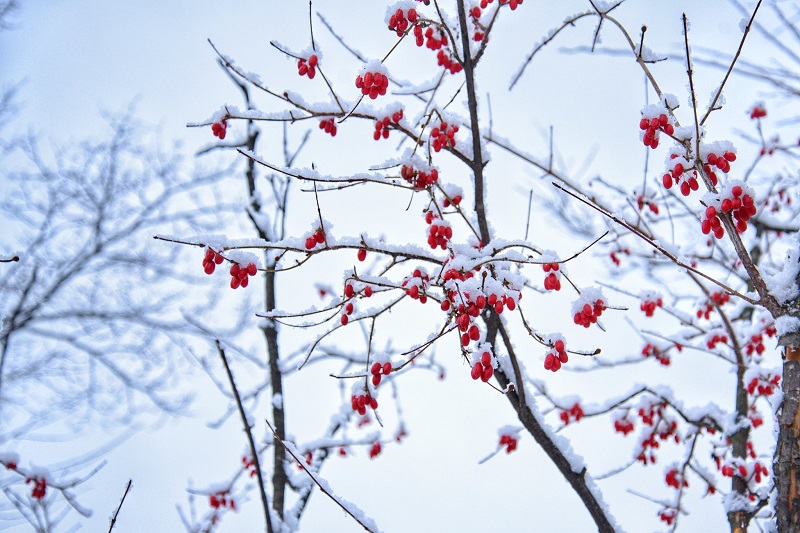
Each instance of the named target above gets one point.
<point>360,402</point>
<point>499,303</point>
<point>439,233</point>
<point>452,273</point>
<point>668,516</point>
<point>318,237</point>
<point>758,471</point>
<point>623,425</point>
<point>728,470</point>
<point>589,314</point>
<point>455,200</point>
<point>417,178</point>
<point>219,128</point>
<point>686,181</point>
<point>482,369</point>
<point>675,480</point>
<point>552,282</point>
<point>754,416</point>
<point>308,67</point>
<point>475,15</point>
<point>722,162</point>
<point>615,258</point>
<point>715,339</point>
<point>641,201</point>
<point>249,465</point>
<point>756,343</point>
<point>469,331</point>
<point>345,317</point>
<point>762,386</point>
<point>372,84</point>
<point>712,223</point>
<point>221,500</point>
<point>663,428</point>
<point>444,59</point>
<point>417,289</point>
<point>556,356</point>
<point>375,450</point>
<point>651,127</point>
<point>651,350</point>
<point>649,304</point>
<point>443,136</point>
<point>573,413</point>
<point>400,21</point>
<point>240,275</point>
<point>741,207</point>
<point>211,260</point>
<point>378,370</point>
<point>509,442</point>
<point>382,125</point>
<point>719,298</point>
<point>39,487</point>
<point>328,126</point>
<point>434,38</point>
<point>758,111</point>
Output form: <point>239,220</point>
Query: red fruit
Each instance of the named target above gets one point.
<point>208,267</point>
<point>310,243</point>
<point>312,61</point>
<point>376,368</point>
<point>349,291</point>
<point>251,269</point>
<point>487,373</point>
<point>344,320</point>
<point>387,368</point>
<point>477,370</point>
<point>486,359</point>
<point>667,180</point>
<point>367,291</point>
<point>376,379</point>
<point>736,191</point>
<point>474,333</point>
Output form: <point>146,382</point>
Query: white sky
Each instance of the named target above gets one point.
<point>76,58</point>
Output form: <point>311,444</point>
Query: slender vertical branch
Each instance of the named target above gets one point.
<point>472,101</point>
<point>251,442</point>
<point>116,513</point>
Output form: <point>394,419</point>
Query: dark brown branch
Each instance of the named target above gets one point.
<point>251,442</point>
<point>116,513</point>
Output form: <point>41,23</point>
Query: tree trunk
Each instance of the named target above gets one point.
<point>786,464</point>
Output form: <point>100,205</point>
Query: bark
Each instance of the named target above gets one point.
<point>787,453</point>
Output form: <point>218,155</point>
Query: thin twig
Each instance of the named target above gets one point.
<point>316,481</point>
<point>116,513</point>
<point>249,433</point>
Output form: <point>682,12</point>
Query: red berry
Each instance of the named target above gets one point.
<point>362,254</point>
<point>477,370</point>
